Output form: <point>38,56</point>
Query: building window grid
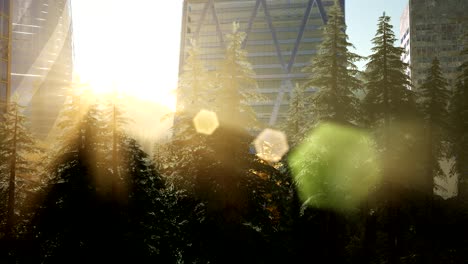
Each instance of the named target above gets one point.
<point>267,63</point>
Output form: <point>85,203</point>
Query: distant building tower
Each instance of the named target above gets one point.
<point>433,28</point>
<point>41,58</point>
<point>282,36</point>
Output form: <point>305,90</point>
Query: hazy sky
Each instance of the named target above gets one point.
<point>136,43</point>
<point>362,16</point>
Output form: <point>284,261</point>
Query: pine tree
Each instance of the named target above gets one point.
<point>459,126</point>
<point>297,121</point>
<point>434,97</point>
<point>195,92</point>
<point>333,73</point>
<point>71,122</point>
<point>389,104</point>
<point>387,94</point>
<point>81,207</point>
<point>181,158</point>
<point>17,146</point>
<point>115,118</point>
<point>389,109</point>
<point>237,85</point>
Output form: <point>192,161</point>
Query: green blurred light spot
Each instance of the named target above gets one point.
<point>335,167</point>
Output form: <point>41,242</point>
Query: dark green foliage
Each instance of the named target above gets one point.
<point>247,204</point>
<point>387,89</point>
<point>433,100</point>
<point>87,214</point>
<point>333,73</point>
<point>390,110</point>
<point>434,96</point>
<point>459,127</point>
<point>298,119</point>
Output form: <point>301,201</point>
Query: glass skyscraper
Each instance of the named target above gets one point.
<point>41,58</point>
<point>433,28</point>
<point>282,36</point>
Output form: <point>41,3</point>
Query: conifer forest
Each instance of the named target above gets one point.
<point>357,173</point>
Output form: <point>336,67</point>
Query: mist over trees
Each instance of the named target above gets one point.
<point>356,186</point>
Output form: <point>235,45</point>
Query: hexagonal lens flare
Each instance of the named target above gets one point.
<point>271,145</point>
<point>206,122</point>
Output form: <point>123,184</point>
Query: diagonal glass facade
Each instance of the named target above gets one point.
<point>282,36</point>
<point>41,65</point>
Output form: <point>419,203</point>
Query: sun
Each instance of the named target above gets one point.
<point>133,48</point>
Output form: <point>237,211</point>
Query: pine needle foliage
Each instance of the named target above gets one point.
<point>17,145</point>
<point>433,100</point>
<point>177,159</point>
<point>237,85</point>
<point>333,73</point>
<point>196,91</point>
<point>387,94</point>
<point>298,117</point>
<point>459,125</point>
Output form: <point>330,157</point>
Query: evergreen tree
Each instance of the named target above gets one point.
<point>81,210</point>
<point>297,123</point>
<point>237,85</point>
<point>117,122</point>
<point>71,122</point>
<point>390,111</point>
<point>195,84</point>
<point>195,92</point>
<point>459,126</point>
<point>434,97</point>
<point>16,147</point>
<point>333,73</point>
<point>390,108</point>
<point>387,95</point>
<point>181,159</point>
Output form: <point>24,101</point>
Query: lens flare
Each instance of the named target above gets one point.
<point>206,122</point>
<point>271,145</point>
<point>334,167</point>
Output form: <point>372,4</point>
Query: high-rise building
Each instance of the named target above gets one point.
<point>433,28</point>
<point>429,29</point>
<point>282,36</point>
<point>41,58</point>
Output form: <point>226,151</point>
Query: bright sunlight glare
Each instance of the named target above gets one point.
<point>132,45</point>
